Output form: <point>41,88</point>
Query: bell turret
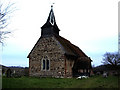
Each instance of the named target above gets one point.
<point>50,27</point>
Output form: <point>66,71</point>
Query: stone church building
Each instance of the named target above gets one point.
<point>55,56</point>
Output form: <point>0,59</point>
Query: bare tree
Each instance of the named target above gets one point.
<point>5,11</point>
<point>112,59</point>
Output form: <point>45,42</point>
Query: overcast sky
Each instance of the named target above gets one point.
<point>92,25</point>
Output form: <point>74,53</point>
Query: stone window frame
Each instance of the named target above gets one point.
<point>45,58</point>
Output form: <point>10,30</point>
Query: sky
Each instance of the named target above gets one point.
<point>92,25</point>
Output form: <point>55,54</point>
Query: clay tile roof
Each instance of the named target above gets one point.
<point>70,48</point>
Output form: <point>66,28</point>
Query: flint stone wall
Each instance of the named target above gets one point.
<point>51,48</point>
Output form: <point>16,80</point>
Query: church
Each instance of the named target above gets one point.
<point>55,56</point>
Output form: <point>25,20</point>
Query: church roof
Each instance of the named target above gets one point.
<point>69,48</point>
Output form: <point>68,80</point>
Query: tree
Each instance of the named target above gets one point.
<point>5,11</point>
<point>111,59</point>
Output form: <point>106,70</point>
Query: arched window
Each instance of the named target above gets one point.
<point>45,63</point>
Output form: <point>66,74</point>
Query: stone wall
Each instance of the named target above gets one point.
<point>50,48</point>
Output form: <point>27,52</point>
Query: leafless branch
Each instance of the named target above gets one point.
<point>5,11</point>
<point>111,59</point>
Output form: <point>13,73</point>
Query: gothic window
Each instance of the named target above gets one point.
<point>45,63</point>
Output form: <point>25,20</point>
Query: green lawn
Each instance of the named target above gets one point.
<point>32,82</point>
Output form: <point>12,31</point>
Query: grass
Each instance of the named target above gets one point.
<point>33,82</point>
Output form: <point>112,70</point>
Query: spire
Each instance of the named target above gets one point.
<point>50,27</point>
<point>51,17</point>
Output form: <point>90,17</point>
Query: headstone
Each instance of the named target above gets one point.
<point>105,74</point>
<point>9,72</point>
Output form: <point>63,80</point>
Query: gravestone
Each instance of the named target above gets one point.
<point>9,72</point>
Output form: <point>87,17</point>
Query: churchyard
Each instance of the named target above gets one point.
<point>97,81</point>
